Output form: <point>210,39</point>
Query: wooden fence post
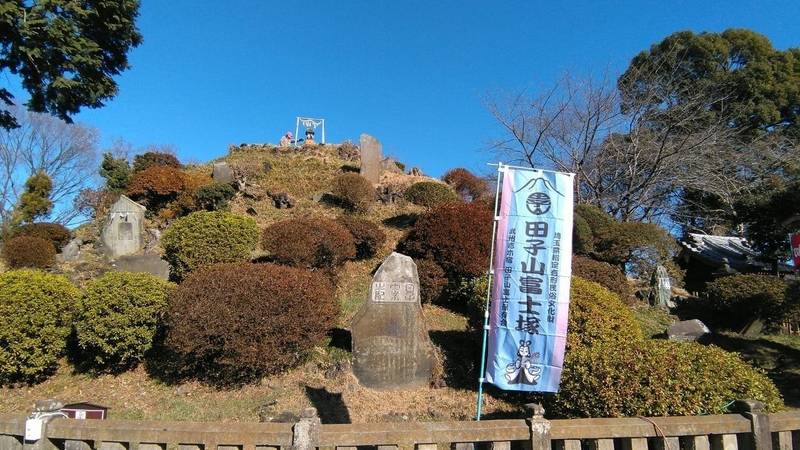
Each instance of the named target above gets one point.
<point>306,431</point>
<point>540,427</point>
<point>754,410</point>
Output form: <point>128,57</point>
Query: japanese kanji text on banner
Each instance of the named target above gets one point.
<point>530,285</point>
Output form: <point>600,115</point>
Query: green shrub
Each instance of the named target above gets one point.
<point>118,317</point>
<point>456,235</point>
<point>236,322</point>
<point>355,192</point>
<point>29,251</point>
<point>582,237</point>
<point>604,274</point>
<point>214,197</point>
<point>430,193</point>
<point>368,236</point>
<point>596,314</point>
<point>56,233</point>
<point>150,159</point>
<point>203,238</point>
<point>309,242</point>
<point>35,320</point>
<point>737,299</point>
<point>655,378</point>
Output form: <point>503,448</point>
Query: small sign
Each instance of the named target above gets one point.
<point>33,429</point>
<point>794,240</point>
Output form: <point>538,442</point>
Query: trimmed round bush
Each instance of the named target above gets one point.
<point>118,317</point>
<point>455,235</point>
<point>656,378</point>
<point>604,274</point>
<point>236,322</point>
<point>156,186</point>
<point>309,242</point>
<point>738,299</point>
<point>430,193</point>
<point>149,159</point>
<point>214,197</point>
<point>354,191</point>
<point>596,314</point>
<point>468,186</point>
<point>368,236</point>
<point>432,280</point>
<point>35,320</point>
<point>29,251</point>
<point>204,238</point>
<point>56,233</point>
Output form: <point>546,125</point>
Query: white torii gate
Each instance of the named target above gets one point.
<point>308,122</point>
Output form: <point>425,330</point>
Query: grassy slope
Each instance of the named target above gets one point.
<point>325,381</point>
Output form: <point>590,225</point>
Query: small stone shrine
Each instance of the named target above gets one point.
<point>371,158</point>
<point>124,228</point>
<point>661,288</point>
<point>391,348</point>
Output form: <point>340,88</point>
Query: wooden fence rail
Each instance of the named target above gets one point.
<point>748,429</point>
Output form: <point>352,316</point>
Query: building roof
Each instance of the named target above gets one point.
<point>125,201</point>
<point>721,251</point>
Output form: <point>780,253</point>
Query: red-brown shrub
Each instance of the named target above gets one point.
<point>466,184</point>
<point>29,251</point>
<point>604,274</point>
<point>368,236</point>
<point>149,159</point>
<point>56,233</point>
<point>456,235</point>
<point>234,322</point>
<point>432,280</point>
<point>311,242</point>
<point>354,191</point>
<point>156,185</point>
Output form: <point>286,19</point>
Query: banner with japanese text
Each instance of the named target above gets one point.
<point>794,240</point>
<point>530,285</point>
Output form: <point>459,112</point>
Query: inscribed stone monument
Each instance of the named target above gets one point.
<point>371,158</point>
<point>661,288</point>
<point>222,173</point>
<point>391,348</point>
<point>122,232</point>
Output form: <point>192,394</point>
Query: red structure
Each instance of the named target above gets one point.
<point>84,410</point>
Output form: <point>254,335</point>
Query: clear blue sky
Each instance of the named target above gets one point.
<point>411,73</point>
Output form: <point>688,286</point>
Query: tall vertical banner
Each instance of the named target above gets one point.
<point>530,284</point>
<point>794,242</point>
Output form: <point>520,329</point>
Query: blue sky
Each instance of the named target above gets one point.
<point>411,73</point>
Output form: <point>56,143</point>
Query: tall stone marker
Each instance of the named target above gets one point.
<point>222,173</point>
<point>391,348</point>
<point>124,227</point>
<point>371,158</point>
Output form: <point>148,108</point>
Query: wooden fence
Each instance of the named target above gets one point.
<point>749,429</point>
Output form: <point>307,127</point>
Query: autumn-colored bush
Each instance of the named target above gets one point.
<point>656,378</point>
<point>149,159</point>
<point>35,320</point>
<point>29,251</point>
<point>118,317</point>
<point>432,280</point>
<point>355,192</point>
<point>204,238</point>
<point>156,186</point>
<point>56,233</point>
<point>605,274</point>
<point>309,242</point>
<point>430,193</point>
<point>368,236</point>
<point>236,322</point>
<point>468,186</point>
<point>737,299</point>
<point>597,314</point>
<point>455,235</point>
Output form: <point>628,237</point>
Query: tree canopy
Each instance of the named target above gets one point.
<point>65,52</point>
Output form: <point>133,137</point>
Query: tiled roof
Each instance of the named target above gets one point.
<point>717,250</point>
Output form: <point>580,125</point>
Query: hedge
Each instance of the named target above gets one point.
<point>610,277</point>
<point>355,192</point>
<point>35,319</point>
<point>367,235</point>
<point>29,251</point>
<point>204,238</point>
<point>309,242</point>
<point>468,186</point>
<point>118,317</point>
<point>737,299</point>
<point>430,193</point>
<point>232,323</point>
<point>596,314</point>
<point>56,233</point>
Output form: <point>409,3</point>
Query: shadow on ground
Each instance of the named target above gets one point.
<point>330,405</point>
<point>781,362</point>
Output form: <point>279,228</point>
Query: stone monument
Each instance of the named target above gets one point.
<point>661,288</point>
<point>391,348</point>
<point>222,173</point>
<point>371,158</point>
<point>687,330</point>
<point>124,227</point>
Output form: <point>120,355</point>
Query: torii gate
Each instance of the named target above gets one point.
<point>308,122</point>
